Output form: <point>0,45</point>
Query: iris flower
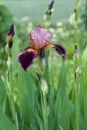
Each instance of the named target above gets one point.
<point>39,40</point>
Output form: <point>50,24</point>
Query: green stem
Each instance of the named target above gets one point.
<point>77,105</point>
<point>9,93</point>
<point>77,85</point>
<point>45,114</point>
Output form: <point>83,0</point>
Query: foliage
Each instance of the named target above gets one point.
<point>5,21</point>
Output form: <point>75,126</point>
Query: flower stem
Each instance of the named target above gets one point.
<point>77,105</point>
<point>45,113</point>
<point>77,85</point>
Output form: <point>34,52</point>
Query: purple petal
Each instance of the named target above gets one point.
<point>11,30</point>
<point>60,50</point>
<point>26,58</point>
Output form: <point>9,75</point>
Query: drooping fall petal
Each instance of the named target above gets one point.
<point>26,58</point>
<point>60,50</point>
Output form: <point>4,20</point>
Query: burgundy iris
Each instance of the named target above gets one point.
<point>39,40</point>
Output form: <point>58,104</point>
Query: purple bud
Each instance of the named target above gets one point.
<point>11,30</point>
<point>49,9</point>
<point>50,6</point>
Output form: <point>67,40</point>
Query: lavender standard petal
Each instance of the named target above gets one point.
<point>40,36</point>
<point>60,50</point>
<point>26,58</point>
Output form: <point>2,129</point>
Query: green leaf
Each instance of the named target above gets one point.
<point>5,123</point>
<point>2,91</point>
<point>15,49</point>
<point>26,96</point>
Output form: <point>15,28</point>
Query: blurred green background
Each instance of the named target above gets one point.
<point>34,9</point>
